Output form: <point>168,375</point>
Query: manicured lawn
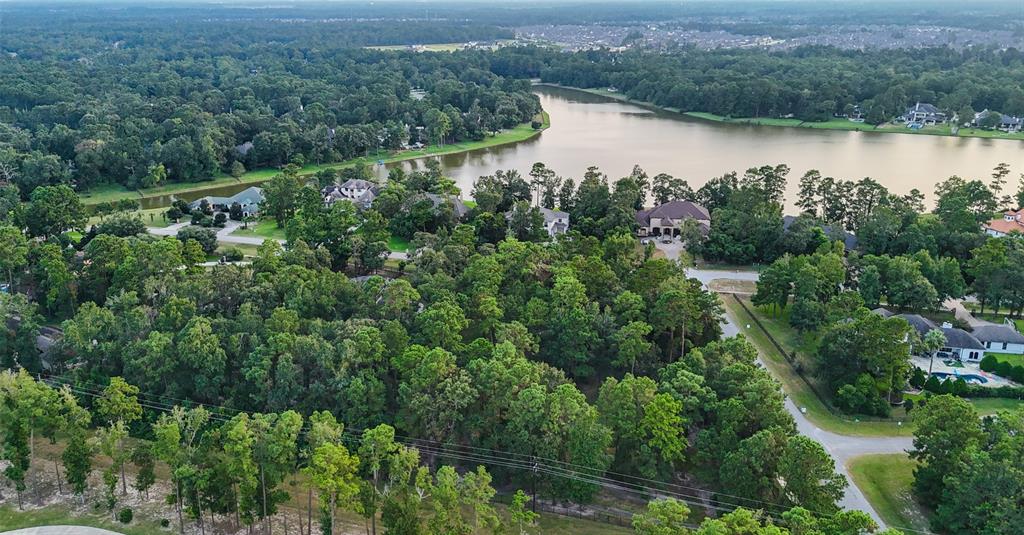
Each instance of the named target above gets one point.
<point>154,217</point>
<point>398,244</point>
<point>54,515</point>
<point>1016,360</point>
<point>519,133</point>
<point>798,390</point>
<point>885,480</point>
<point>989,406</point>
<point>264,228</point>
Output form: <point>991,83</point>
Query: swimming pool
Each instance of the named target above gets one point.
<point>969,377</point>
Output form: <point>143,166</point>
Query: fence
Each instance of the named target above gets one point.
<point>798,369</point>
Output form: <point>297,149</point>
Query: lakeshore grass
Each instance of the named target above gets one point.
<point>114,192</point>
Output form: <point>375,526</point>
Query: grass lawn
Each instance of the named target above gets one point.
<point>11,519</point>
<point>154,217</point>
<point>264,228</point>
<point>885,480</point>
<point>989,406</point>
<point>797,389</point>
<point>513,135</point>
<point>1016,360</point>
<point>398,244</point>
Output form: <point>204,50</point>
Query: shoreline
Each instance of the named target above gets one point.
<point>833,124</point>
<point>109,193</point>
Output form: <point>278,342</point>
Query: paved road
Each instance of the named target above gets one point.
<point>841,448</point>
<point>60,530</point>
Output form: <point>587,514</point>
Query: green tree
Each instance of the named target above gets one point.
<point>333,472</point>
<point>663,516</point>
<point>280,195</point>
<point>947,428</point>
<point>13,252</point>
<point>632,345</point>
<point>53,210</point>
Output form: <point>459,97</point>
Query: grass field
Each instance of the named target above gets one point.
<point>115,192</point>
<point>264,228</point>
<point>155,217</point>
<point>885,480</point>
<point>798,390</point>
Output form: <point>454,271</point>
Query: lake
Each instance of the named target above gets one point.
<point>588,129</point>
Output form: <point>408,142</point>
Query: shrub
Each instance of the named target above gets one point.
<point>908,404</point>
<point>989,363</point>
<point>849,399</point>
<point>164,523</point>
<point>122,226</point>
<point>917,377</point>
<point>220,219</point>
<point>233,254</point>
<point>125,515</point>
<point>206,237</point>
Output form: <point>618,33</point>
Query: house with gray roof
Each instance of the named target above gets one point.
<point>667,219</point>
<point>923,113</point>
<point>961,344</point>
<point>1000,338</point>
<point>459,208</point>
<point>360,192</point>
<point>555,221</point>
<point>248,199</point>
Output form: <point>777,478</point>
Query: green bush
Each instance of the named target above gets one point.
<point>125,515</point>
<point>989,363</point>
<point>233,254</point>
<point>164,523</point>
<point>918,377</point>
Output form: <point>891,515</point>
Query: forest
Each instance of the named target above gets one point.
<point>138,103</point>
<point>811,83</point>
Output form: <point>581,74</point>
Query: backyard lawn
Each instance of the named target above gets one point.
<point>885,480</point>
<point>56,515</point>
<point>1016,360</point>
<point>398,244</point>
<point>154,217</point>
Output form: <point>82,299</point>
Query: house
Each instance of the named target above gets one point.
<point>248,199</point>
<point>1012,221</point>
<point>555,221</point>
<point>360,192</point>
<point>922,114</point>
<point>1000,338</point>
<point>962,344</point>
<point>667,219</point>
<point>459,208</point>
<point>1006,123</point>
<point>244,148</point>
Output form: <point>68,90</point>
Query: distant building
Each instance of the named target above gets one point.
<point>923,114</point>
<point>1007,123</point>
<point>459,208</point>
<point>961,344</point>
<point>1012,221</point>
<point>360,192</point>
<point>555,221</point>
<point>248,199</point>
<point>833,233</point>
<point>667,219</point>
<point>244,148</point>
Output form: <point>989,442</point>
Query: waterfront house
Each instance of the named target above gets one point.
<point>555,221</point>
<point>1000,338</point>
<point>1012,221</point>
<point>1007,123</point>
<point>360,192</point>
<point>248,200</point>
<point>923,114</point>
<point>961,344</point>
<point>667,219</point>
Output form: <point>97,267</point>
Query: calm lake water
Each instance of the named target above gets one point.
<point>590,130</point>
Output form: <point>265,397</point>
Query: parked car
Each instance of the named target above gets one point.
<point>944,354</point>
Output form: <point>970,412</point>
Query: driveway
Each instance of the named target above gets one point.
<point>60,530</point>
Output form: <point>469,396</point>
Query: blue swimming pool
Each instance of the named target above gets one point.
<point>969,377</point>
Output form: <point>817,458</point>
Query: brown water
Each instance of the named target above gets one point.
<point>589,130</point>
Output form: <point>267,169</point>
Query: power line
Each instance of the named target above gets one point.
<point>493,457</point>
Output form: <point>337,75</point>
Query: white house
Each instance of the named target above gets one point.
<point>962,344</point>
<point>555,221</point>
<point>1000,338</point>
<point>248,200</point>
<point>923,113</point>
